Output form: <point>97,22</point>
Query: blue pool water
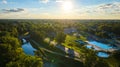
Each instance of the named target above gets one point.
<point>99,54</point>
<point>89,47</point>
<point>103,54</point>
<point>100,45</point>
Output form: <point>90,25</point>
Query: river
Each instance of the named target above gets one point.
<point>27,48</point>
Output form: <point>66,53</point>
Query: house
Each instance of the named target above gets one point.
<point>69,30</point>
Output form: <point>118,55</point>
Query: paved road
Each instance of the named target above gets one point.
<point>77,59</point>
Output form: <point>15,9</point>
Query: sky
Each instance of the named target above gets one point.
<point>59,9</point>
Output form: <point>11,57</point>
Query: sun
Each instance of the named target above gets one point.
<point>67,6</point>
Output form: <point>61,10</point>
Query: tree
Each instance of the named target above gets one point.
<point>60,37</point>
<point>70,41</point>
<point>14,42</point>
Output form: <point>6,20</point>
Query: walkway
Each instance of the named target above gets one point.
<point>77,59</point>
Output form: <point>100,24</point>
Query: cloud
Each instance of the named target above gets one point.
<point>59,0</point>
<point>44,1</point>
<point>13,10</point>
<point>4,1</point>
<point>16,13</point>
<point>102,9</point>
<point>111,8</point>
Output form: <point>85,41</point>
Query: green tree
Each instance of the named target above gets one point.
<point>70,41</point>
<point>60,37</point>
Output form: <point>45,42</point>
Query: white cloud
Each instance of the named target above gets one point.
<point>111,8</point>
<point>4,1</point>
<point>59,0</point>
<point>102,9</point>
<point>44,1</point>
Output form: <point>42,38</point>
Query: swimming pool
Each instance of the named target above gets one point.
<point>100,45</point>
<point>103,54</point>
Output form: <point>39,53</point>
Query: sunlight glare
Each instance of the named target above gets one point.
<point>67,6</point>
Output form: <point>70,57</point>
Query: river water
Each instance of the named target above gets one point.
<point>27,48</point>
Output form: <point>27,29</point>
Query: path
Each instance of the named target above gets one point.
<point>77,59</point>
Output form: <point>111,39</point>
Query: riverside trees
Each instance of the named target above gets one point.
<point>11,53</point>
